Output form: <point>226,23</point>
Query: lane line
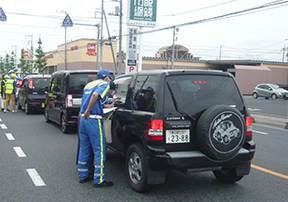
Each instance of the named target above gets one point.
<point>262,133</point>
<point>35,177</point>
<point>19,152</point>
<point>0,119</point>
<point>269,171</point>
<point>3,126</point>
<point>9,136</point>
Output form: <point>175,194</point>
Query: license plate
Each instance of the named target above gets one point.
<point>177,136</point>
<point>42,104</point>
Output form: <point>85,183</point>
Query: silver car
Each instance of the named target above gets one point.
<point>269,91</point>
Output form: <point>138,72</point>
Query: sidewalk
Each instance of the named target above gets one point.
<point>271,120</point>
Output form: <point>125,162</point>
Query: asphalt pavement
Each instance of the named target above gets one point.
<point>277,121</point>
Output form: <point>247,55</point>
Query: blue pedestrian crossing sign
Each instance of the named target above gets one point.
<point>67,22</point>
<point>2,15</point>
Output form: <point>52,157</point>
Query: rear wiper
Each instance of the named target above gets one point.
<point>176,104</point>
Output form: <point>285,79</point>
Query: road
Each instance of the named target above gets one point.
<point>43,150</point>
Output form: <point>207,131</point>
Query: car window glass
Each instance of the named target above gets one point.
<point>122,87</point>
<point>40,82</point>
<point>56,85</point>
<point>204,91</point>
<point>77,82</point>
<point>145,93</point>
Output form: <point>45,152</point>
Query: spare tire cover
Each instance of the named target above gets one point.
<point>220,132</point>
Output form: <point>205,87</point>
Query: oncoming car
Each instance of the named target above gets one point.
<point>272,91</point>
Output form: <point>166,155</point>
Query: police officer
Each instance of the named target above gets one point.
<point>10,86</point>
<point>91,129</point>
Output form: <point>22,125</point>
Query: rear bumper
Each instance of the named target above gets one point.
<point>161,160</point>
<point>39,105</point>
<point>72,115</point>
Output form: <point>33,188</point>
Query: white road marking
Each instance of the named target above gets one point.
<point>9,136</point>
<point>19,152</point>
<point>35,177</point>
<point>0,119</point>
<point>3,126</point>
<point>262,133</point>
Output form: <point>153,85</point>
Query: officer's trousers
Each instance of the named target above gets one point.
<point>91,133</point>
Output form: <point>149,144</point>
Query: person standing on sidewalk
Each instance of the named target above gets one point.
<point>91,129</point>
<point>10,87</point>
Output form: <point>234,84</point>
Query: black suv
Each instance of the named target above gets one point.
<point>31,94</point>
<point>180,120</point>
<point>64,94</point>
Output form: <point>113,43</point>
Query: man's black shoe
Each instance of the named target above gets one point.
<point>104,184</point>
<point>89,178</point>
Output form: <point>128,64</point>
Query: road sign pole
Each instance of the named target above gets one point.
<point>65,55</point>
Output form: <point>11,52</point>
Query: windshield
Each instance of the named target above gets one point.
<point>195,93</point>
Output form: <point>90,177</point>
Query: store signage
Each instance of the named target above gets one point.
<point>142,13</point>
<point>74,48</point>
<point>131,56</point>
<point>91,49</point>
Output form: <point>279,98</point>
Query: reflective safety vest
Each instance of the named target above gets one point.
<point>9,86</point>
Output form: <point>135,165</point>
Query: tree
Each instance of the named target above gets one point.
<point>25,64</point>
<point>40,62</point>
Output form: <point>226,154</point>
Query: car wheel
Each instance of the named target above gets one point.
<point>64,125</point>
<point>220,132</point>
<point>274,97</point>
<point>227,175</point>
<point>136,168</point>
<point>255,95</point>
<point>27,108</point>
<point>46,116</point>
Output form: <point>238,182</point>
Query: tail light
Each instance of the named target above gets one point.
<point>69,102</point>
<point>154,130</point>
<point>248,126</point>
<point>30,83</point>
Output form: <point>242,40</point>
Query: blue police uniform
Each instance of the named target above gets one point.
<point>91,131</point>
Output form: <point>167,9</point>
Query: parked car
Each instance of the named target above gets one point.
<point>180,120</point>
<point>64,96</point>
<point>269,91</point>
<point>284,85</point>
<point>31,94</point>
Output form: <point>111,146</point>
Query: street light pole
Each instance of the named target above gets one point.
<point>120,39</point>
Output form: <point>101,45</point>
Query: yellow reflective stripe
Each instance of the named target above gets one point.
<point>101,150</point>
<point>105,91</point>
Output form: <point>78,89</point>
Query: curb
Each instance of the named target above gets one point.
<point>270,120</point>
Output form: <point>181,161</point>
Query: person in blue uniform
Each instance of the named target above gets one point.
<point>91,129</point>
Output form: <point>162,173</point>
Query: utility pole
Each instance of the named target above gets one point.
<point>120,40</point>
<point>173,46</point>
<point>15,55</point>
<point>31,42</point>
<point>101,38</point>
<point>220,52</point>
<point>284,49</point>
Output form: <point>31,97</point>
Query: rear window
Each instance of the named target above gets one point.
<point>40,82</point>
<point>195,93</point>
<point>77,82</point>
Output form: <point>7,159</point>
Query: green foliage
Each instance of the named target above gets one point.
<point>40,62</point>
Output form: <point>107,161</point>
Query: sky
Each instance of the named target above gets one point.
<point>256,35</point>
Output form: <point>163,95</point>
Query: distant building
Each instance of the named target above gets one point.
<point>81,54</point>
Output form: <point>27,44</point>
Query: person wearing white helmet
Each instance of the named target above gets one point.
<point>10,86</point>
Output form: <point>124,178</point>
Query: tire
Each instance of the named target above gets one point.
<point>274,97</point>
<point>27,108</point>
<point>47,120</point>
<point>266,98</point>
<point>255,95</point>
<point>227,175</point>
<point>220,132</point>
<point>64,124</point>
<point>136,164</point>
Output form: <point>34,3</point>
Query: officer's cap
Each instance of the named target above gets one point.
<point>103,73</point>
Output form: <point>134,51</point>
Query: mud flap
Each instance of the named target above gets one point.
<point>155,177</point>
<point>243,169</point>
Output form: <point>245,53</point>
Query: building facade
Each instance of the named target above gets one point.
<point>82,54</point>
